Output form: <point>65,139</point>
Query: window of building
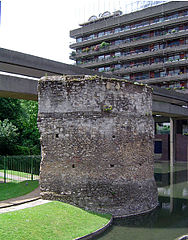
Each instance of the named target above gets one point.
<point>100,58</point>
<point>127,77</point>
<point>79,40</point>
<point>163,74</point>
<point>108,32</point>
<point>100,34</point>
<point>117,66</point>
<point>101,69</point>
<point>117,54</point>
<point>108,56</point>
<point>126,28</point>
<point>117,42</point>
<point>157,74</point>
<point>91,37</point>
<point>107,69</point>
<point>117,30</point>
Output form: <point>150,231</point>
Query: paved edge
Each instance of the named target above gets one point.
<point>97,232</point>
<point>19,202</point>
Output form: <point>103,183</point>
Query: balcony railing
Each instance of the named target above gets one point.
<point>151,26</point>
<point>165,79</point>
<point>124,46</point>
<point>134,56</point>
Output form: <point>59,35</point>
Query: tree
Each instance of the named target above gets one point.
<point>22,115</point>
<point>8,136</point>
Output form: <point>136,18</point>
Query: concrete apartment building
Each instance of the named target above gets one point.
<point>148,46</point>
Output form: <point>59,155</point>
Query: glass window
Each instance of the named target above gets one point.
<point>90,37</point>
<point>157,74</point>
<point>101,69</point>
<point>117,30</point>
<point>107,69</point>
<point>145,23</point>
<point>145,75</point>
<point>100,58</point>
<point>100,34</point>
<point>127,77</point>
<point>162,74</point>
<point>107,32</point>
<point>117,54</point>
<point>117,42</point>
<point>108,56</point>
<point>156,20</point>
<point>177,71</point>
<point>126,28</point>
<point>126,65</point>
<point>176,57</point>
<point>79,40</point>
<point>117,66</point>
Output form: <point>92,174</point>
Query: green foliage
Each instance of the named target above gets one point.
<point>8,136</point>
<point>20,117</point>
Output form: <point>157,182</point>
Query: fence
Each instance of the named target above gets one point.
<point>19,168</point>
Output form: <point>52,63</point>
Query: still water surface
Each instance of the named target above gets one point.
<point>169,220</point>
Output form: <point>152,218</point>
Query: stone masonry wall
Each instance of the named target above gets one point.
<point>97,143</point>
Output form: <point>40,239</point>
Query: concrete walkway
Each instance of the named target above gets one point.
<point>16,178</point>
<point>22,206</point>
<point>29,200</point>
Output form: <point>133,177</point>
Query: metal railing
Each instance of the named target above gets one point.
<point>19,168</point>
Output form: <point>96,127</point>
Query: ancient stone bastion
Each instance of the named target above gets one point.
<point>97,143</point>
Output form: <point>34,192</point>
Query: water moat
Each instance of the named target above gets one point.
<point>169,221</point>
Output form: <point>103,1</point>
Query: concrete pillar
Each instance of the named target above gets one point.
<point>172,160</point>
<point>172,141</point>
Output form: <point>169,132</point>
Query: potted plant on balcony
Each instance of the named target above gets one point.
<point>104,45</point>
<point>73,54</point>
<point>96,48</point>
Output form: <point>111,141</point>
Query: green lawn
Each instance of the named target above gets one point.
<point>51,221</point>
<point>12,190</point>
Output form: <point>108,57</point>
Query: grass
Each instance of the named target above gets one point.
<point>51,221</point>
<point>12,190</point>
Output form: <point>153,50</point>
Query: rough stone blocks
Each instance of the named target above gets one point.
<point>97,143</point>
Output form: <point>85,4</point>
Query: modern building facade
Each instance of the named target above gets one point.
<point>149,45</point>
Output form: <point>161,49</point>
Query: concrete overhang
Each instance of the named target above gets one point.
<point>169,110</point>
<point>26,88</point>
<point>29,65</point>
<point>18,87</point>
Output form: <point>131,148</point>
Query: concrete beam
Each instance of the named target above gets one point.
<point>18,87</point>
<point>169,110</point>
<point>26,88</point>
<point>29,65</point>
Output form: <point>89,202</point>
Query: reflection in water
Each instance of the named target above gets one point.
<point>168,221</point>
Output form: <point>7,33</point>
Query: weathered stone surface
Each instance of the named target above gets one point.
<point>97,143</point>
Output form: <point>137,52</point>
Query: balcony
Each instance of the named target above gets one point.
<point>115,36</point>
<point>165,79</point>
<point>123,46</point>
<point>152,67</point>
<point>134,56</point>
